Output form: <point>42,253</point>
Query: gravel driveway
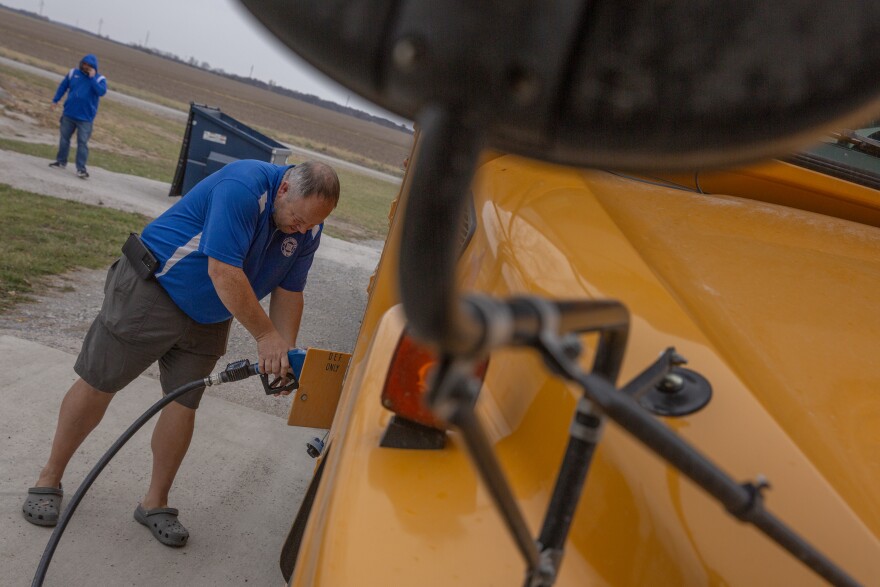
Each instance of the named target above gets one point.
<point>335,295</point>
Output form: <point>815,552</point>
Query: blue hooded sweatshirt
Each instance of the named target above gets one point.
<point>83,91</point>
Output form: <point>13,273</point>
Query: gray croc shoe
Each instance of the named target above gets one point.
<point>164,525</point>
<point>43,505</point>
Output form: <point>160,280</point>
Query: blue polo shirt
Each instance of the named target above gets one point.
<point>228,216</point>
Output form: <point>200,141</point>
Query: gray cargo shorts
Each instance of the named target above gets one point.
<point>138,325</point>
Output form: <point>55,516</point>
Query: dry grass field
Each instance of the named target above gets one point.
<point>180,84</point>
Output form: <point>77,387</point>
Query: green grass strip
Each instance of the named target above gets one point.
<point>44,236</point>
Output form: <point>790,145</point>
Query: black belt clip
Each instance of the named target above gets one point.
<point>142,260</point>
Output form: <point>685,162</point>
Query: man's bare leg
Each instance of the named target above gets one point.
<point>81,410</point>
<point>171,439</point>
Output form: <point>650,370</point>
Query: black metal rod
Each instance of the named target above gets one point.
<point>738,499</point>
<point>487,466</point>
<point>612,320</point>
<point>530,320</point>
<point>570,480</point>
<point>446,159</point>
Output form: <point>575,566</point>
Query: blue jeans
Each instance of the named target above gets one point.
<point>83,130</point>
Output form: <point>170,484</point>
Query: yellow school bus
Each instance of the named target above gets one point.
<point>765,278</point>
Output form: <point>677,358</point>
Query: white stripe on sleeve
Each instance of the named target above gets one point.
<point>180,253</point>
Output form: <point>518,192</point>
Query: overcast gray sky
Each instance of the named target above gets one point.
<point>220,32</point>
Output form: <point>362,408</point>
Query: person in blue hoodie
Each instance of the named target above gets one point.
<point>84,87</point>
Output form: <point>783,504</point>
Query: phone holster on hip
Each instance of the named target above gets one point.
<point>140,257</point>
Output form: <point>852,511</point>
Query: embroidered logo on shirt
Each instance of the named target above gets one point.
<point>288,246</point>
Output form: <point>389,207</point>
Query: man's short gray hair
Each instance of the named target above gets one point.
<point>313,178</point>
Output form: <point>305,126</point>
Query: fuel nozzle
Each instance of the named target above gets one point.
<point>233,372</point>
<point>238,370</point>
<point>243,369</point>
<point>296,358</point>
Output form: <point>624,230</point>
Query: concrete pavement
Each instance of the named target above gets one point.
<point>105,188</point>
<point>238,490</point>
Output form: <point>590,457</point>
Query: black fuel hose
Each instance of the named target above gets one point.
<point>233,372</point>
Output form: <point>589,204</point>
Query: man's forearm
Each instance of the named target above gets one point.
<point>238,296</point>
<point>285,310</point>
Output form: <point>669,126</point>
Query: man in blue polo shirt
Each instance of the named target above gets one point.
<point>84,87</point>
<point>247,231</point>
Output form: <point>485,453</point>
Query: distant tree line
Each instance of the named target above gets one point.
<point>270,86</point>
<point>193,62</point>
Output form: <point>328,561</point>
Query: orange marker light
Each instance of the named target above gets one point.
<point>409,379</point>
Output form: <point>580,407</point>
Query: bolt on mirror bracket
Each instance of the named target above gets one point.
<point>667,389</point>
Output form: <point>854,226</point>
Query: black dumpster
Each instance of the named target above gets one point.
<point>213,139</point>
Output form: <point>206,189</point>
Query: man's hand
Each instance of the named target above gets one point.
<point>54,106</point>
<point>285,311</point>
<point>272,352</point>
<point>90,71</point>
